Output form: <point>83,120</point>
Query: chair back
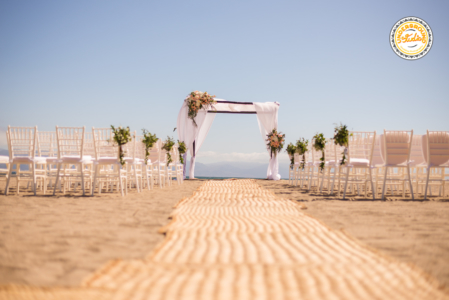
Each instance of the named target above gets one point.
<point>89,146</point>
<point>435,145</point>
<point>104,146</point>
<point>140,147</point>
<point>47,145</point>
<point>377,159</point>
<point>22,141</point>
<point>70,141</point>
<point>314,155</point>
<point>416,151</point>
<point>131,147</point>
<point>155,152</point>
<point>397,146</point>
<point>361,145</point>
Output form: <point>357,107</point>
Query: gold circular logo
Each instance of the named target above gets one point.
<point>411,38</point>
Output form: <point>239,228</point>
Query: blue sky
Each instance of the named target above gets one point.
<point>131,63</point>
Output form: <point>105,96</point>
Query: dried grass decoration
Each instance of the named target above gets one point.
<point>181,149</point>
<point>148,140</point>
<point>121,137</point>
<point>291,150</point>
<point>319,145</point>
<point>341,138</point>
<point>275,141</point>
<point>301,149</point>
<point>198,100</point>
<point>168,146</point>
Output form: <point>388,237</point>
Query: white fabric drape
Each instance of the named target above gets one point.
<point>189,133</point>
<point>267,117</point>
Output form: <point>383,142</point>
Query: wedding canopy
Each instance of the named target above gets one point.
<point>194,136</point>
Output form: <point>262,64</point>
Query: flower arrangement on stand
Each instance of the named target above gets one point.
<point>275,141</point>
<point>181,149</point>
<point>291,150</point>
<point>301,149</point>
<point>341,138</point>
<point>148,140</point>
<point>168,146</point>
<point>121,136</point>
<point>319,145</point>
<point>198,100</point>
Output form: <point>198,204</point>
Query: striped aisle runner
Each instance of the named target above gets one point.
<point>235,240</point>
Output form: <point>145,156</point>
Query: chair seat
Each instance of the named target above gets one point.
<point>359,162</point>
<point>4,159</point>
<point>130,160</point>
<point>52,160</point>
<point>107,161</point>
<point>29,160</point>
<point>86,159</point>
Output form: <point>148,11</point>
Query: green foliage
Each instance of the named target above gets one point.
<point>319,145</point>
<point>121,136</point>
<point>341,138</point>
<point>168,146</point>
<point>148,140</point>
<point>291,150</point>
<point>181,149</point>
<point>301,149</point>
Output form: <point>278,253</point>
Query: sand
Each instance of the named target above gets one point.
<point>412,231</point>
<point>58,241</point>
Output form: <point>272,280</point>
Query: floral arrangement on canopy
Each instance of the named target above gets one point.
<point>198,100</point>
<point>168,146</point>
<point>275,141</point>
<point>121,136</point>
<point>148,141</point>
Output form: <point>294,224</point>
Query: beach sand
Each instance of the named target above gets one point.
<point>58,241</point>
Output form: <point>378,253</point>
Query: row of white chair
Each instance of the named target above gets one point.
<point>398,160</point>
<point>71,157</point>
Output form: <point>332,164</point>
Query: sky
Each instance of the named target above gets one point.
<point>132,63</point>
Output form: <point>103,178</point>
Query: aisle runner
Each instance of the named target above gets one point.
<point>234,240</point>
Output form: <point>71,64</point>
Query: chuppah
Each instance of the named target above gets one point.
<point>198,112</point>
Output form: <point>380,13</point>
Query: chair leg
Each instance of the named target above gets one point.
<point>427,183</point>
<point>7,181</point>
<point>384,184</point>
<point>57,179</point>
<point>346,182</point>
<point>410,183</point>
<point>372,184</point>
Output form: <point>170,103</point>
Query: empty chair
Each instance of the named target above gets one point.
<point>133,163</point>
<point>108,169</point>
<point>435,145</point>
<point>4,160</point>
<point>359,160</point>
<point>396,154</point>
<point>73,164</point>
<point>22,151</point>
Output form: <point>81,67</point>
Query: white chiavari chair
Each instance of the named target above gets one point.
<point>357,167</point>
<point>22,143</point>
<point>108,168</point>
<point>4,160</point>
<point>134,164</point>
<point>396,152</point>
<point>73,165</point>
<point>435,145</point>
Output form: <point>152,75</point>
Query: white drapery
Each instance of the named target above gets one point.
<point>267,117</point>
<point>194,136</point>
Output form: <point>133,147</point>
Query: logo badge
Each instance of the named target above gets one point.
<point>411,38</point>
